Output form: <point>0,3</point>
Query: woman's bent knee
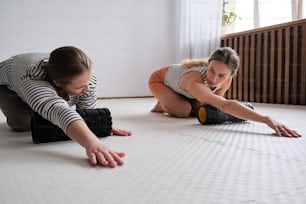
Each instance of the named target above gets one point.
<point>179,112</point>
<point>17,112</point>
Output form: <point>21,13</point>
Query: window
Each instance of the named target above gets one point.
<point>259,13</point>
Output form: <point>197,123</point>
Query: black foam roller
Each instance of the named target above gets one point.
<point>208,115</point>
<point>98,120</point>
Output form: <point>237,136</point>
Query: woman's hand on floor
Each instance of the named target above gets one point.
<point>281,130</point>
<point>98,152</point>
<point>119,132</point>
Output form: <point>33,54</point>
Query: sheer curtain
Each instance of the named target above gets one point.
<point>198,28</point>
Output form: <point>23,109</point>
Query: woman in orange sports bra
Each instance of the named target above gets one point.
<point>182,88</point>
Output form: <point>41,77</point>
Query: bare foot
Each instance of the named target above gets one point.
<point>157,108</point>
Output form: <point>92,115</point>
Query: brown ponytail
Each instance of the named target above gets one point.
<point>195,63</point>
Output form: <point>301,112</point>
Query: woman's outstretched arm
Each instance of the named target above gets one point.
<point>204,95</point>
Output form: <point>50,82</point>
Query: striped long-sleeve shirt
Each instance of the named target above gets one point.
<point>24,75</point>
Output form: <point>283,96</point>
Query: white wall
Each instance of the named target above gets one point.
<point>126,39</point>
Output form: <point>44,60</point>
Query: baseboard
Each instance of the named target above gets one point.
<point>123,97</point>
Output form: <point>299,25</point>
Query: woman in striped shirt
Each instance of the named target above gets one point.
<point>50,84</point>
<point>182,88</point>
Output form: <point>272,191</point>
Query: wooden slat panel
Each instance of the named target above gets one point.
<point>246,68</point>
<point>294,66</point>
<point>265,68</point>
<point>303,66</point>
<point>272,68</point>
<point>235,83</point>
<point>240,73</point>
<point>286,66</point>
<point>279,67</point>
<point>252,70</point>
<point>272,63</point>
<point>230,90</point>
<point>258,68</point>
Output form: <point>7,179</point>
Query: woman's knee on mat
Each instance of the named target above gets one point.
<point>17,112</point>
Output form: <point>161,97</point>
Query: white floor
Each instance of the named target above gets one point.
<point>168,160</point>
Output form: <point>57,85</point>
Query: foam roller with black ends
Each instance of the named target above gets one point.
<point>98,120</point>
<point>208,115</point>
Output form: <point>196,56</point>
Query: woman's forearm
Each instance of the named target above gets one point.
<point>79,132</point>
<point>235,108</point>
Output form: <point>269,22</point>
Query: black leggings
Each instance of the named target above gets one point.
<point>18,113</point>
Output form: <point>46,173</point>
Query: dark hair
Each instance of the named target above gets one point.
<point>228,56</point>
<point>65,63</point>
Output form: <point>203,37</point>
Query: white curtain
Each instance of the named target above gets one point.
<point>198,28</point>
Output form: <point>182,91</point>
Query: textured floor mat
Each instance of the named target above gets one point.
<point>168,160</point>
